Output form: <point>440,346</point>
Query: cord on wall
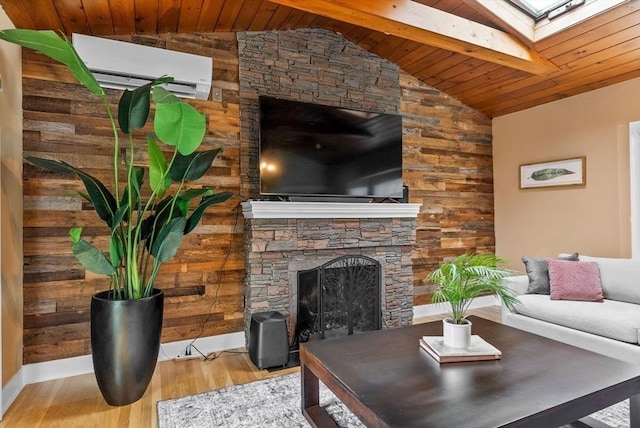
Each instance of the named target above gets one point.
<point>190,348</point>
<point>190,351</point>
<point>237,209</point>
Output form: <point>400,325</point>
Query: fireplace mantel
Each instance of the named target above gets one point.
<point>283,209</point>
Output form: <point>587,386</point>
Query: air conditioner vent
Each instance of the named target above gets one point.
<point>122,65</point>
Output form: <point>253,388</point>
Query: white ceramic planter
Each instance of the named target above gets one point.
<point>456,335</point>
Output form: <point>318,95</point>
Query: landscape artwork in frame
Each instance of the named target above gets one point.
<point>558,173</point>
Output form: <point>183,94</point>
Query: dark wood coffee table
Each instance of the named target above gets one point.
<point>388,381</point>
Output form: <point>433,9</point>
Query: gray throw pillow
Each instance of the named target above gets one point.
<point>538,272</point>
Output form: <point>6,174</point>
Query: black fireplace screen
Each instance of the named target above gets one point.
<point>339,298</point>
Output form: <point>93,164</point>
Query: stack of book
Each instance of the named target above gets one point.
<point>478,350</point>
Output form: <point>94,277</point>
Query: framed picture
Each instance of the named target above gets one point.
<point>558,173</point>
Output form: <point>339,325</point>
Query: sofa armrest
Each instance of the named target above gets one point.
<point>518,284</point>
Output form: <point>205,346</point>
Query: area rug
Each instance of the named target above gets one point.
<point>275,403</point>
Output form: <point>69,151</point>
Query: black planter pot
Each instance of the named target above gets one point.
<point>125,340</point>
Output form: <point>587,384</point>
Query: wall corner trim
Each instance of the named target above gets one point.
<point>11,390</point>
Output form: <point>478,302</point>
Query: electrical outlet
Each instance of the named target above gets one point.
<point>216,94</point>
<point>188,354</point>
<point>182,357</point>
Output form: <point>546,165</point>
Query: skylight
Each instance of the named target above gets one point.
<point>537,9</point>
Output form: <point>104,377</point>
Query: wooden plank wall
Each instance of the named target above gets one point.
<point>203,283</point>
<point>447,164</point>
<point>447,159</point>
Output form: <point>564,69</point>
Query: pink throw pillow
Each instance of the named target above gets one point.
<point>575,281</point>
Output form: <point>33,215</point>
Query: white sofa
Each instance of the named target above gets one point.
<point>610,327</point>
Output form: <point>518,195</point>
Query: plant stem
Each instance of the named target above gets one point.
<point>116,148</point>
<point>132,251</point>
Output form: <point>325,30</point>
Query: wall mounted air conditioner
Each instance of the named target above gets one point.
<point>122,65</point>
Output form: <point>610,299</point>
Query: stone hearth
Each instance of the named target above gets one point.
<point>282,238</point>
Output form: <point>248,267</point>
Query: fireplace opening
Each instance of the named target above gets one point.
<point>342,297</point>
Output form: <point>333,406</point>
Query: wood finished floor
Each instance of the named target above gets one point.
<point>76,401</point>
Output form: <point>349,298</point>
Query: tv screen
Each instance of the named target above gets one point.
<point>316,150</point>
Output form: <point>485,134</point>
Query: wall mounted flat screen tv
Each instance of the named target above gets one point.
<point>312,150</point>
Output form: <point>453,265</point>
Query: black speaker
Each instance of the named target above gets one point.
<point>405,194</point>
<point>268,340</point>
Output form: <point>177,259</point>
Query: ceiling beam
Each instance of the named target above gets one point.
<point>520,24</point>
<point>423,24</point>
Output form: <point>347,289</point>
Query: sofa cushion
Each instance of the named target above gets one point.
<point>538,272</point>
<point>620,278</point>
<point>613,319</point>
<point>574,281</point>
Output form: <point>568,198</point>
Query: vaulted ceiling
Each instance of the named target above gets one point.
<point>485,53</point>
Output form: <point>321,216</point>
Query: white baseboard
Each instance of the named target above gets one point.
<point>441,308</point>
<point>57,369</point>
<point>67,367</point>
<point>11,390</point>
<point>206,345</point>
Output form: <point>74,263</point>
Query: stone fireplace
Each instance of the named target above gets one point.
<point>283,238</point>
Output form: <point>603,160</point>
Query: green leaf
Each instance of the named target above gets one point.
<point>138,184</point>
<point>198,212</point>
<point>116,250</point>
<point>193,166</point>
<point>179,124</point>
<point>159,180</point>
<point>75,233</point>
<point>183,206</point>
<point>195,193</point>
<point>134,184</point>
<point>168,240</point>
<point>91,258</point>
<point>134,106</point>
<point>467,277</point>
<point>156,220</point>
<point>103,201</point>
<point>550,173</point>
<point>147,228</point>
<point>49,43</point>
<point>154,223</point>
<point>162,96</point>
<point>118,217</point>
<point>84,196</point>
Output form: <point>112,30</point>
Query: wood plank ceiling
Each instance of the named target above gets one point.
<point>596,52</point>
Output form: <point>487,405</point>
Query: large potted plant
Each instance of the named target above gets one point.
<point>459,282</point>
<point>146,223</point>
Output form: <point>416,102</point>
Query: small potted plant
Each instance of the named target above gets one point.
<point>462,280</point>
